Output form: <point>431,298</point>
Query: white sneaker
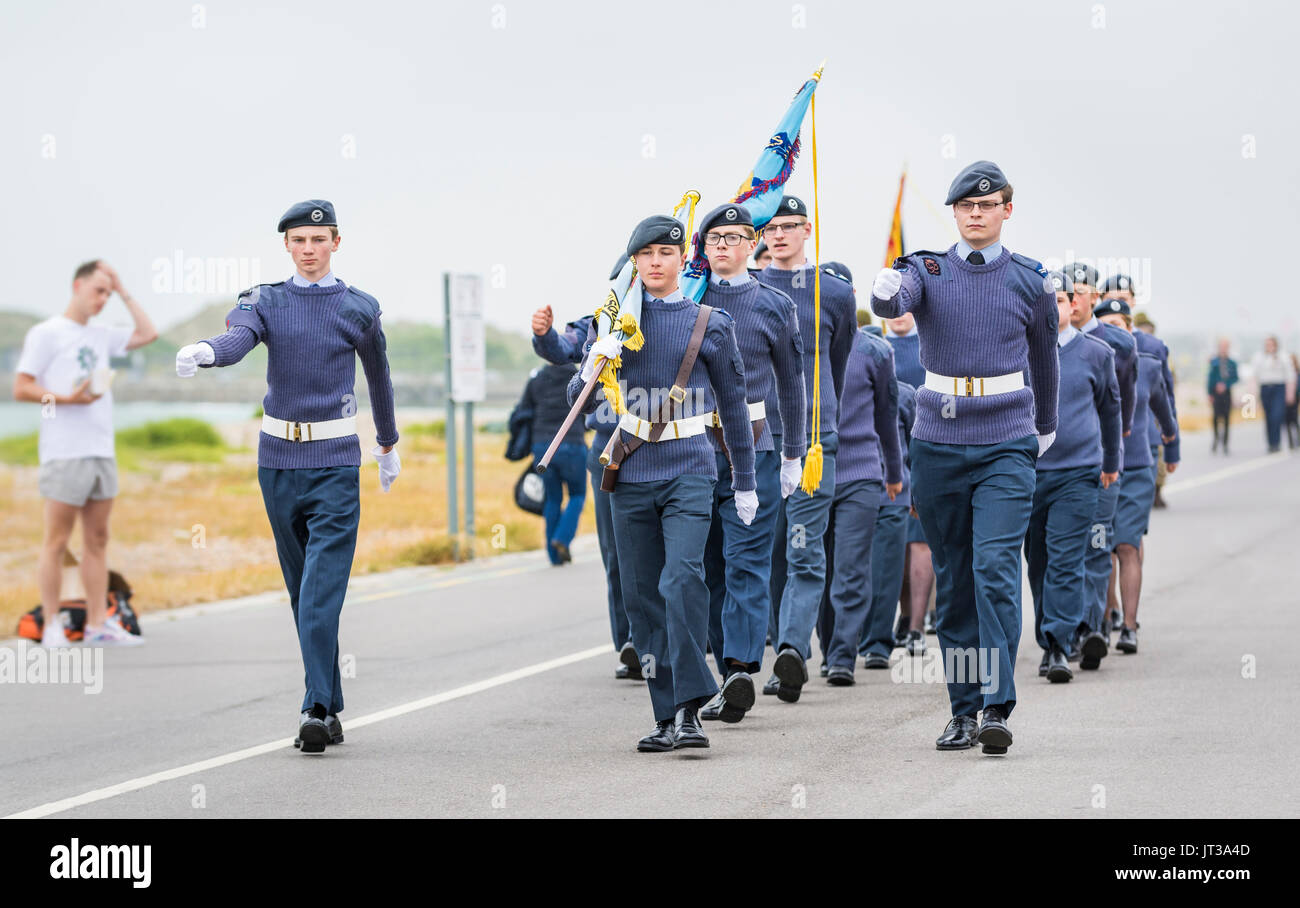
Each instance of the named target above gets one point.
<point>110,635</point>
<point>53,635</point>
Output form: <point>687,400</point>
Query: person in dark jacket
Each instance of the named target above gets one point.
<point>1222,376</point>
<point>546,395</point>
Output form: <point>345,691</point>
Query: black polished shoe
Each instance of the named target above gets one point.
<point>825,670</point>
<point>792,674</point>
<point>1128,640</point>
<point>333,726</point>
<point>840,676</point>
<point>771,686</point>
<point>738,693</point>
<point>687,731</point>
<point>915,643</point>
<point>712,711</point>
<point>959,735</point>
<point>1094,648</point>
<point>659,740</point>
<point>994,734</point>
<point>1058,667</point>
<point>875,660</point>
<point>313,734</point>
<point>1042,666</point>
<point>630,669</point>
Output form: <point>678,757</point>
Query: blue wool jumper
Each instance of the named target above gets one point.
<point>570,347</point>
<point>907,358</point>
<point>1152,402</point>
<point>1149,343</point>
<point>1089,409</point>
<point>313,336</point>
<point>906,418</point>
<point>767,333</point>
<point>868,428</point>
<point>1126,367</point>
<point>839,324</point>
<point>1013,329</point>
<point>717,382</point>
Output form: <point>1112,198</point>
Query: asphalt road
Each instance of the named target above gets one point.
<point>487,690</point>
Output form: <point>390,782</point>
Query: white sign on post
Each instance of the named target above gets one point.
<point>468,346</point>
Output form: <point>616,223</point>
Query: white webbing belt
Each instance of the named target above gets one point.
<point>309,431</point>
<point>974,387</point>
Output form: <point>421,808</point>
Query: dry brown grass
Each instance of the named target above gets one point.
<point>160,508</point>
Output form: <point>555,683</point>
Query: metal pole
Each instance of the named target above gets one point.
<point>453,519</point>
<point>469,480</point>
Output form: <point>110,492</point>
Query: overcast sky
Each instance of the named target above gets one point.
<point>523,140</point>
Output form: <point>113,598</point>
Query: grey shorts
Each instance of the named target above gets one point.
<point>77,480</point>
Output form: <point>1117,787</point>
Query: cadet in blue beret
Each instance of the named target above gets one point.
<point>762,256</point>
<point>315,328</point>
<point>663,472</point>
<point>986,320</point>
<point>737,560</point>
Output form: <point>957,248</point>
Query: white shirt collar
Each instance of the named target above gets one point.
<point>1091,325</point>
<point>1066,336</point>
<point>329,280</point>
<point>989,252</point>
<point>741,278</point>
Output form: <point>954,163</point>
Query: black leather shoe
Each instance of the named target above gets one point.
<point>1128,640</point>
<point>1095,647</point>
<point>994,735</point>
<point>771,686</point>
<point>687,731</point>
<point>630,669</point>
<point>825,670</point>
<point>915,643</point>
<point>875,660</point>
<point>1042,666</point>
<point>792,674</point>
<point>840,676</point>
<point>959,735</point>
<point>712,711</point>
<point>313,734</point>
<point>738,692</point>
<point>659,740</point>
<point>333,726</point>
<point>1058,667</point>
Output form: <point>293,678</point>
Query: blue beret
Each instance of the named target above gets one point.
<point>839,269</point>
<point>1060,282</point>
<point>728,215</point>
<point>658,228</point>
<point>1112,307</point>
<point>759,250</point>
<point>980,178</point>
<point>1118,282</point>
<point>1081,274</point>
<point>311,213</point>
<point>791,205</point>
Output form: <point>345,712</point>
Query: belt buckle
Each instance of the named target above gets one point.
<point>297,432</point>
<point>970,386</point>
<point>677,394</point>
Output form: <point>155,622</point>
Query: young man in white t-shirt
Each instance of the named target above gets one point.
<point>64,367</point>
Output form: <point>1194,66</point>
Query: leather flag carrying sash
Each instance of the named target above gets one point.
<point>621,447</point>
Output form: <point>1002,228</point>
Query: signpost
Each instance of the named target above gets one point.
<point>466,383</point>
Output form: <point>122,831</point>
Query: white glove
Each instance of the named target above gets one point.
<point>389,466</point>
<point>609,347</point>
<point>747,506</point>
<point>791,473</point>
<point>887,283</point>
<point>191,356</point>
<point>1045,442</point>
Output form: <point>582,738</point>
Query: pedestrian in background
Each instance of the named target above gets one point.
<point>1219,382</point>
<point>1275,380</point>
<point>545,395</point>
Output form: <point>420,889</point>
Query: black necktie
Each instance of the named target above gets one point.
<point>724,283</point>
<point>975,258</point>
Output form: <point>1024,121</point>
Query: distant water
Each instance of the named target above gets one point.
<point>22,418</point>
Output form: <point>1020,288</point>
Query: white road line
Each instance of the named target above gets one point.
<point>1226,473</point>
<point>167,775</point>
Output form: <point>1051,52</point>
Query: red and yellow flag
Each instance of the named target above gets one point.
<point>895,247</point>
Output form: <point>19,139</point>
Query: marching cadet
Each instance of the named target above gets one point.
<point>1218,384</point>
<point>762,256</point>
<point>918,574</point>
<point>984,317</point>
<point>737,559</point>
<point>826,348</point>
<point>1137,485</point>
<point>662,473</point>
<point>308,458</point>
<point>1065,494</point>
<point>1101,536</point>
<point>868,464</point>
<point>889,554</point>
<point>570,347</point>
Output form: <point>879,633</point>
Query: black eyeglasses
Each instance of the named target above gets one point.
<point>966,206</point>
<point>731,239</point>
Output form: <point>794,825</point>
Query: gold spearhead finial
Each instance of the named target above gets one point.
<point>818,75</point>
